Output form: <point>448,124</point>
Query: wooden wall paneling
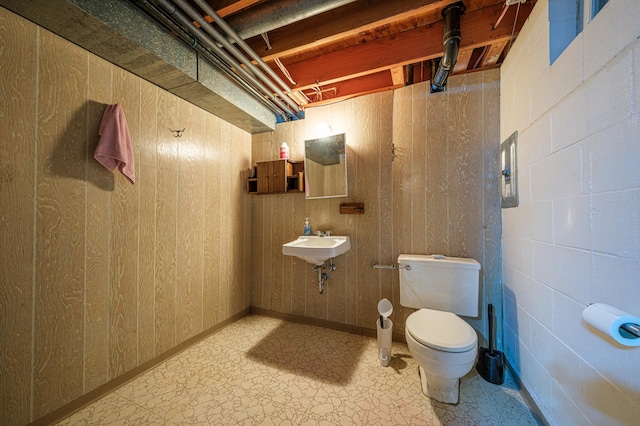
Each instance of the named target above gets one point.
<point>190,222</point>
<point>466,185</point>
<point>419,166</point>
<point>237,196</point>
<point>166,221</point>
<point>212,231</point>
<point>385,226</point>
<point>267,273</point>
<point>277,258</point>
<point>258,230</point>
<point>301,271</point>
<point>351,222</point>
<point>437,183</point>
<point>17,161</point>
<point>405,187</point>
<point>257,251</point>
<point>123,339</point>
<point>465,171</point>
<point>61,197</point>
<point>368,181</point>
<point>297,205</point>
<point>225,220</point>
<point>288,234</point>
<point>98,240</point>
<point>492,288</point>
<point>147,181</point>
<point>246,226</point>
<point>420,218</point>
<point>336,289</point>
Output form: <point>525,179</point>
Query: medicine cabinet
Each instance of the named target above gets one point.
<point>325,165</point>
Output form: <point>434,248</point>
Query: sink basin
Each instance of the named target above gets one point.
<point>317,249</point>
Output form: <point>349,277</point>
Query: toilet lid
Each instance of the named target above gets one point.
<point>440,330</point>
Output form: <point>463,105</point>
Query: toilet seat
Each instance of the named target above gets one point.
<point>443,331</point>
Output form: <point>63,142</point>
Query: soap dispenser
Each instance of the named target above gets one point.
<point>307,227</point>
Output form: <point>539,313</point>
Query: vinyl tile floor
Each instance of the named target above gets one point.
<point>265,371</point>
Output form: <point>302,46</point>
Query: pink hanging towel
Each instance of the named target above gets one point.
<point>114,149</point>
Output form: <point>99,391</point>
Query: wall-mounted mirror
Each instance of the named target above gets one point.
<point>325,167</point>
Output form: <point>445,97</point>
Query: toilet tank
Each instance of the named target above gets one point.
<point>437,282</point>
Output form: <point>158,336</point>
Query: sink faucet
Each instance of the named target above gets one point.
<point>323,234</point>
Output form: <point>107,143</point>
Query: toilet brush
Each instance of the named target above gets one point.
<point>491,363</point>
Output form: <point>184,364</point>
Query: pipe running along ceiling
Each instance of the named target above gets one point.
<point>221,44</point>
<point>323,51</point>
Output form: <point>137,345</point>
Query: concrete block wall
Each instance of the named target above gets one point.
<point>575,237</point>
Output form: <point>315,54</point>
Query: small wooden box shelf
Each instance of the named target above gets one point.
<point>275,177</point>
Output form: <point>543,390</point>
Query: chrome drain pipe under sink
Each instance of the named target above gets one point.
<point>323,276</point>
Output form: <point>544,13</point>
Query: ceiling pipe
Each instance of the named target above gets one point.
<point>188,39</point>
<point>171,9</point>
<point>451,41</point>
<point>270,15</point>
<point>208,28</point>
<point>227,29</point>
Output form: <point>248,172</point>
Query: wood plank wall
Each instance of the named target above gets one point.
<point>439,194</point>
<point>98,276</point>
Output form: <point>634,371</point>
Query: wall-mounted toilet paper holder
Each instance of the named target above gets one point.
<point>625,329</point>
<point>631,328</point>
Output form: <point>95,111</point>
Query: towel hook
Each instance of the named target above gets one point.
<point>178,133</point>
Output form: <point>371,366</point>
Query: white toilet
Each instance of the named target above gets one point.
<point>444,345</point>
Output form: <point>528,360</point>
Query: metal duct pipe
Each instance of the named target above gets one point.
<point>227,29</point>
<point>271,15</point>
<point>170,8</point>
<point>188,39</point>
<point>196,16</point>
<point>451,41</point>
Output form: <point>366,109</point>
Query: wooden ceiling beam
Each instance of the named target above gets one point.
<point>411,46</point>
<point>334,25</point>
<point>229,9</point>
<point>493,53</point>
<point>462,63</point>
<point>347,89</point>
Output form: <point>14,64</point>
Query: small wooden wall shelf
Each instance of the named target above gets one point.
<point>276,177</point>
<point>352,208</point>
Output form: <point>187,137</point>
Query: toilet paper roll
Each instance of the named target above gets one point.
<point>608,320</point>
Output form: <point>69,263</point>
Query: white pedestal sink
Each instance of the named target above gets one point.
<point>316,250</point>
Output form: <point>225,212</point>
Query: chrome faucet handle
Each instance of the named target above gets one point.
<point>320,233</point>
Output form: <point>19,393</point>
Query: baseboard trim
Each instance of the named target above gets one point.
<point>533,407</point>
<point>353,329</point>
<point>92,396</point>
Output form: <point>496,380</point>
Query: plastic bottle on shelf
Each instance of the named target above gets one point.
<point>307,227</point>
<point>284,151</point>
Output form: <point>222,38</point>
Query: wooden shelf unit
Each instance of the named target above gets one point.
<point>276,177</point>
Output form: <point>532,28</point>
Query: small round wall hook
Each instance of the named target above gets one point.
<point>178,133</point>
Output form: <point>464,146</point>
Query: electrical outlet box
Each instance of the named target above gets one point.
<point>509,171</point>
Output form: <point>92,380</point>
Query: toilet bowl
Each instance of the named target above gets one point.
<point>445,348</point>
<point>443,344</point>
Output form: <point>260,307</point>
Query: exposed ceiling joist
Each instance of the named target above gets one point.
<point>416,45</point>
<point>359,47</point>
<point>340,23</point>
